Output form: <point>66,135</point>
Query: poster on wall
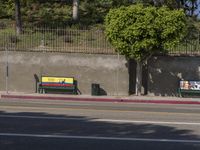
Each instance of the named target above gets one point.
<point>190,85</point>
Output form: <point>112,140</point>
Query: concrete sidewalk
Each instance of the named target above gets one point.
<point>123,99</point>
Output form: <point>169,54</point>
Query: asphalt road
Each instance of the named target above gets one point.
<point>57,125</point>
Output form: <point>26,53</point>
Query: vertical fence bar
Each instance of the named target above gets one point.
<point>198,43</point>
<point>61,40</point>
<point>7,75</point>
<point>86,41</point>
<point>98,38</point>
<point>57,32</point>
<point>74,45</point>
<point>118,74</point>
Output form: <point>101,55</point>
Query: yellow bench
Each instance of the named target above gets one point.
<point>50,83</point>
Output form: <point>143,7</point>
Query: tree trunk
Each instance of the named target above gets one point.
<point>138,86</point>
<point>18,17</point>
<point>75,12</point>
<point>179,4</point>
<point>192,8</point>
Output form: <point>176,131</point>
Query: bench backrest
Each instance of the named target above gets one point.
<point>190,85</point>
<point>57,81</point>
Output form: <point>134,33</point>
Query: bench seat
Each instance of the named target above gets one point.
<point>66,84</point>
<point>189,87</point>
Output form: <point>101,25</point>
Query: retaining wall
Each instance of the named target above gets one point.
<point>115,75</point>
<point>109,71</point>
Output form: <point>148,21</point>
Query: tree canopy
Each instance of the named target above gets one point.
<point>138,31</point>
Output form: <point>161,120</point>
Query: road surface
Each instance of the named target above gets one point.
<point>57,125</point>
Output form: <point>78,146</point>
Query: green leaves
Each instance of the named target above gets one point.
<point>138,32</point>
<point>46,13</point>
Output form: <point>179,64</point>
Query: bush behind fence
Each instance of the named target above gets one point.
<point>74,41</point>
<point>56,40</point>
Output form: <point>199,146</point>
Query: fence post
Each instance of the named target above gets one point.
<point>118,75</point>
<point>7,75</point>
<point>198,42</point>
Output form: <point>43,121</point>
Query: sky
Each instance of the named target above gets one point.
<point>198,10</point>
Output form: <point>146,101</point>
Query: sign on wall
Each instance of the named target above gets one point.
<point>57,80</point>
<point>190,85</point>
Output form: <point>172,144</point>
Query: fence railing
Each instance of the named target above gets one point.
<point>56,40</point>
<point>74,41</point>
<point>187,47</point>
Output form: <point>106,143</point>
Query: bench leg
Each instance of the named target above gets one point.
<point>74,91</point>
<point>43,91</point>
<point>179,93</point>
<point>40,90</point>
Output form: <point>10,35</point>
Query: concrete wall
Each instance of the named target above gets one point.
<point>164,74</point>
<point>107,70</point>
<point>115,76</point>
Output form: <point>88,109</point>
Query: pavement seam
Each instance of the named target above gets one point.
<point>95,99</point>
<point>100,138</point>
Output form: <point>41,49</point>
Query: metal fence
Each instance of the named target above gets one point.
<point>56,40</point>
<point>187,47</point>
<point>75,41</point>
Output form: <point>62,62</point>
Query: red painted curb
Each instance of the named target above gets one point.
<point>101,99</point>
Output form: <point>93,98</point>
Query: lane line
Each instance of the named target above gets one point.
<point>40,117</point>
<point>98,99</point>
<point>137,106</point>
<point>93,104</point>
<point>98,138</point>
<point>147,122</point>
<point>70,108</point>
<point>103,120</point>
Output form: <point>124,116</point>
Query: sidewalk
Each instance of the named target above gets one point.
<point>123,99</point>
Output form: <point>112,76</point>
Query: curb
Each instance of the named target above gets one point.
<point>123,100</point>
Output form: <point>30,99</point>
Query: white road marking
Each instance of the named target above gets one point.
<point>187,108</point>
<point>98,138</point>
<point>148,122</point>
<point>103,120</point>
<point>40,117</point>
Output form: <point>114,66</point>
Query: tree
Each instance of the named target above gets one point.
<point>18,17</point>
<point>138,32</point>
<point>75,10</point>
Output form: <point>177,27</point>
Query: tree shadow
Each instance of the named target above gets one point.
<point>131,65</point>
<point>166,72</point>
<point>62,125</point>
<point>161,75</point>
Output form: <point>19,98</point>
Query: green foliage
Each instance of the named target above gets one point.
<point>59,12</point>
<point>38,12</point>
<point>6,8</point>
<point>94,11</point>
<point>138,32</point>
<point>46,14</point>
